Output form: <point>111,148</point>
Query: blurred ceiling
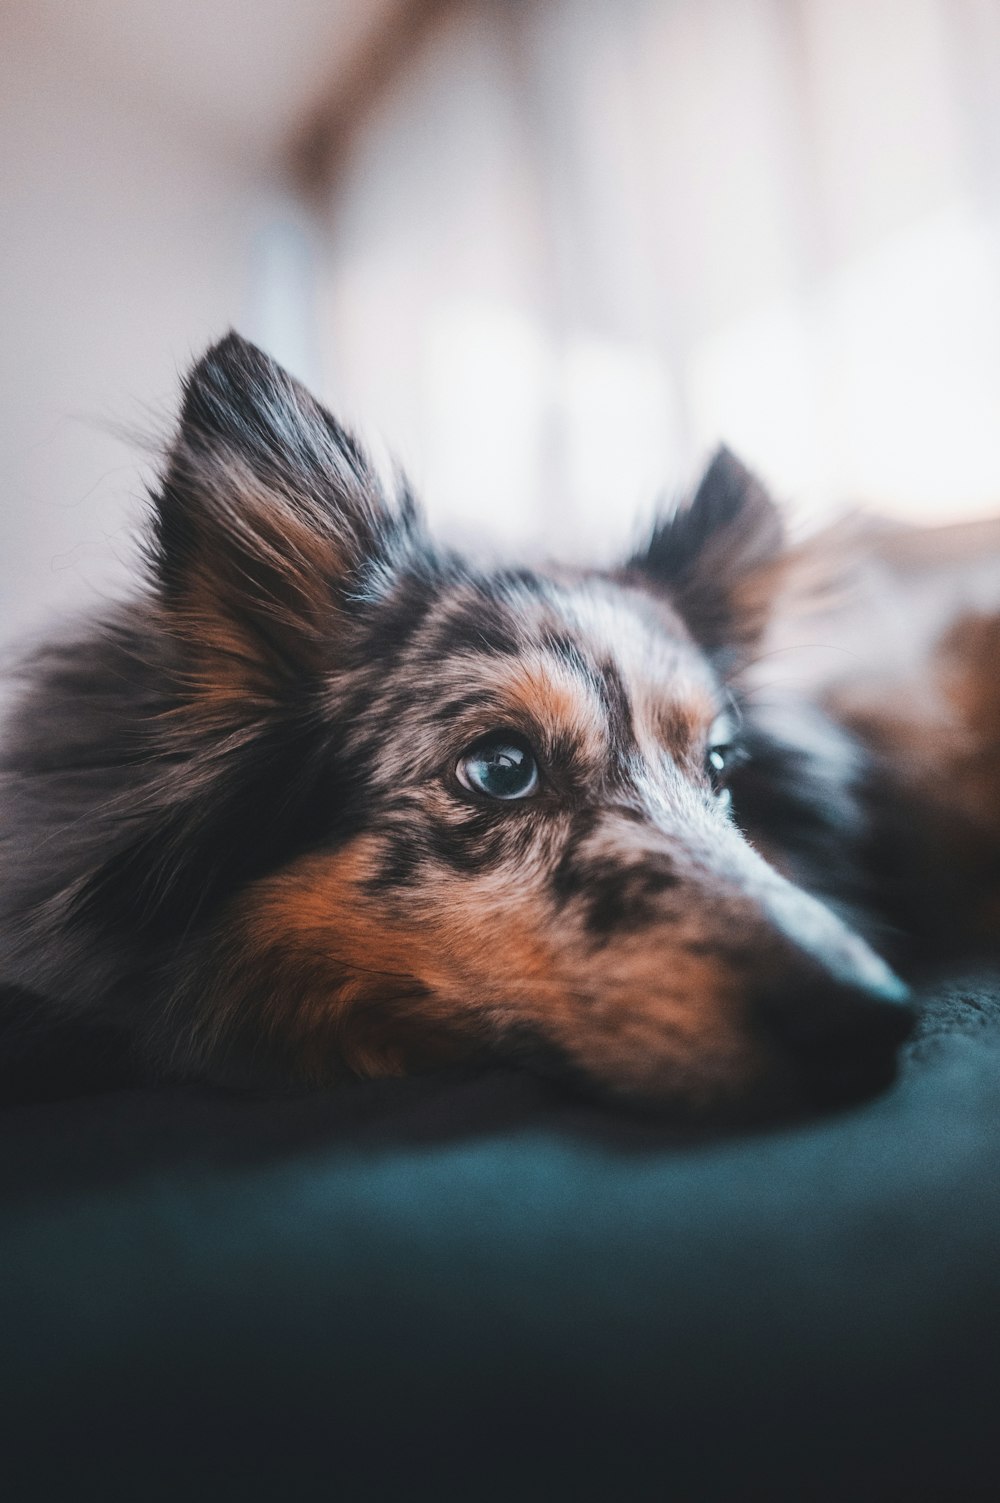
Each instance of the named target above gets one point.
<point>247,72</point>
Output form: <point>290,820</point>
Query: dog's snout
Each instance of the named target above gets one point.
<point>843,1036</point>
<point>829,1001</point>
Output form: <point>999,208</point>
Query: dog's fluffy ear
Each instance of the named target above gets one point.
<point>717,557</point>
<point>270,520</point>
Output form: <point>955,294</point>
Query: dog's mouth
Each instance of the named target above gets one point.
<point>791,1090</point>
<point>783,1088</point>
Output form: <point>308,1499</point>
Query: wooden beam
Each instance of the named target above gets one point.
<point>317,153</point>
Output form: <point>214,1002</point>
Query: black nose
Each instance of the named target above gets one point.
<point>810,1012</point>
<point>842,1035</point>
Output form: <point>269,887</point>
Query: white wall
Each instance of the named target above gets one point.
<point>580,244</point>
<point>124,247</point>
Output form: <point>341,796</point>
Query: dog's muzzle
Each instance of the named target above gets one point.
<point>827,1001</point>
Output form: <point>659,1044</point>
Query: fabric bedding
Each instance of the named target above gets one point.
<point>475,1286</point>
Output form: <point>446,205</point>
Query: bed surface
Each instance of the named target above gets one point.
<point>476,1287</point>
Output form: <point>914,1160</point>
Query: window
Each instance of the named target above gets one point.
<point>575,245</point>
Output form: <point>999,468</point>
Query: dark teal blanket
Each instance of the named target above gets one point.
<point>475,1287</point>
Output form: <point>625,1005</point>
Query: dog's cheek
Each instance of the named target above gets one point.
<point>647,1011</point>
<point>663,1026</point>
<point>316,974</point>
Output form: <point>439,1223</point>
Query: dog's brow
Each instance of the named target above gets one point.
<point>555,691</point>
<point>682,721</point>
<point>464,704</point>
<point>618,709</point>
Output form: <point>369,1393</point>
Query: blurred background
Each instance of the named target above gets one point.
<point>546,252</point>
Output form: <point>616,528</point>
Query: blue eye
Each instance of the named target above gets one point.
<point>501,765</point>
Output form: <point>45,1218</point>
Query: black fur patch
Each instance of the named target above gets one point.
<point>285,682</point>
<point>705,555</point>
<point>623,901</point>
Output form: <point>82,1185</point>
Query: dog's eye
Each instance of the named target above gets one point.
<point>501,765</point>
<point>722,756</point>
<point>718,761</point>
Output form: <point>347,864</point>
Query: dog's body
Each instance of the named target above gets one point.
<point>325,801</point>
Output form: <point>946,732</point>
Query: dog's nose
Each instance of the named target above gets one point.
<point>844,1038</point>
<point>811,1013</point>
<point>829,1002</point>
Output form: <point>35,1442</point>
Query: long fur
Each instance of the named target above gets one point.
<point>234,842</point>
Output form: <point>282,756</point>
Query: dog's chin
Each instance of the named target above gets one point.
<point>775,1089</point>
<point>784,1095</point>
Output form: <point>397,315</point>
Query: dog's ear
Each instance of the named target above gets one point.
<point>717,557</point>
<point>270,524</point>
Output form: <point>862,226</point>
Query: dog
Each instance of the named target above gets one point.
<point>325,800</point>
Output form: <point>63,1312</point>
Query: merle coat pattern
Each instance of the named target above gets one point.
<point>239,832</point>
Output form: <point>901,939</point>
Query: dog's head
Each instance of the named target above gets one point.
<point>446,811</point>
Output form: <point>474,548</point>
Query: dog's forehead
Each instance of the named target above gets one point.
<point>644,637</point>
<point>641,650</point>
<point>582,655</point>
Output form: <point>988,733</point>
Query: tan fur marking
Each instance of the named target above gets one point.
<point>255,603</point>
<point>389,993</point>
<point>375,985</point>
<point>556,698</point>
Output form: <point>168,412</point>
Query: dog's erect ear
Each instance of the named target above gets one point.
<point>716,557</point>
<point>270,519</point>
